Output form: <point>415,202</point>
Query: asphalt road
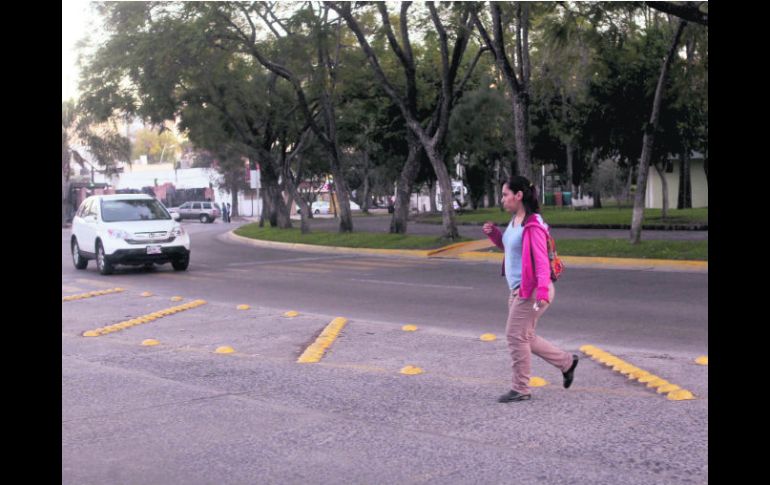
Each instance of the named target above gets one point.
<point>179,413</point>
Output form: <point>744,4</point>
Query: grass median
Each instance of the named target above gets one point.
<point>621,248</point>
<point>610,215</point>
<point>349,240</point>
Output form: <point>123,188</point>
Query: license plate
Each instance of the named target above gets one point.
<point>153,250</point>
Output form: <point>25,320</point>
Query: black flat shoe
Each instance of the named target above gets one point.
<point>570,374</point>
<point>511,396</point>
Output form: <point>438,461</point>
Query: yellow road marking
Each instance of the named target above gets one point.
<point>316,350</point>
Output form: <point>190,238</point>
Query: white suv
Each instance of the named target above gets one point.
<point>132,229</point>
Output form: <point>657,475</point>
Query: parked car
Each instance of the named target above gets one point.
<point>202,211</point>
<point>323,207</point>
<point>129,229</point>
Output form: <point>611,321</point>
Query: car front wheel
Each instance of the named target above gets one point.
<point>104,266</point>
<point>79,261</point>
<point>181,264</point>
<point>204,218</point>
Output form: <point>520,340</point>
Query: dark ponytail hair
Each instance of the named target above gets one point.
<point>517,183</point>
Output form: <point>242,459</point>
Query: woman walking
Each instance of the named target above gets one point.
<point>528,270</point>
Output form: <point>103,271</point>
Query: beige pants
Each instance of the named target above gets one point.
<point>522,341</point>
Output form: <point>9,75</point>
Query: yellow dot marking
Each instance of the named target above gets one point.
<point>488,337</point>
<point>657,383</point>
<point>243,307</point>
<point>702,360</point>
<point>291,314</point>
<point>176,298</point>
<point>150,342</point>
<point>662,386</point>
<point>668,388</point>
<point>146,293</point>
<point>638,374</point>
<point>648,378</point>
<point>537,382</point>
<point>224,350</point>
<point>139,320</point>
<point>409,328</point>
<point>315,351</point>
<point>680,395</point>
<point>411,370</point>
<point>91,294</point>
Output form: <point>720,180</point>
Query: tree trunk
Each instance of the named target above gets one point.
<point>498,182</point>
<point>627,190</point>
<point>649,139</point>
<point>304,210</point>
<point>365,200</point>
<point>234,200</point>
<point>684,199</point>
<point>279,216</point>
<point>432,190</point>
<point>398,221</point>
<point>570,167</point>
<point>664,187</point>
<point>447,199</point>
<point>521,135</point>
<point>267,205</point>
<point>65,177</point>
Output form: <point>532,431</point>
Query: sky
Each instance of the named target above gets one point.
<point>74,22</point>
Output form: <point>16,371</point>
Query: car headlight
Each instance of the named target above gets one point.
<point>177,231</point>
<point>118,234</point>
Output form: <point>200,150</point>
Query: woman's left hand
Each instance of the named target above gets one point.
<point>540,304</point>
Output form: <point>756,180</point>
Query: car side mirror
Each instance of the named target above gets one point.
<point>176,216</point>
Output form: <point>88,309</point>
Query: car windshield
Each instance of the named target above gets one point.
<point>133,210</point>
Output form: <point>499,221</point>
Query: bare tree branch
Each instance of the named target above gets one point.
<point>685,10</point>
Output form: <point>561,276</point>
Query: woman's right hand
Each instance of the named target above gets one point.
<point>488,227</point>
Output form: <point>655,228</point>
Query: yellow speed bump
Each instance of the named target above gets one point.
<point>537,382</point>
<point>639,373</point>
<point>488,337</point>
<point>623,367</point>
<point>146,293</point>
<point>150,342</point>
<point>315,351</point>
<point>668,388</point>
<point>90,294</point>
<point>291,314</point>
<point>662,386</point>
<point>656,383</point>
<point>176,298</point>
<point>225,349</point>
<point>411,370</point>
<point>680,395</point>
<point>648,378</point>
<point>702,360</point>
<point>138,320</point>
<point>243,307</point>
<point>409,328</point>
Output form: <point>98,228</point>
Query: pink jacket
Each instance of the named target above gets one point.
<point>533,240</point>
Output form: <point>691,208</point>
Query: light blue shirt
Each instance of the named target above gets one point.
<point>512,238</point>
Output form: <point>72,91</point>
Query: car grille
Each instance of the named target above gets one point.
<point>150,237</point>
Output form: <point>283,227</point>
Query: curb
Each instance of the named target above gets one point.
<point>575,261</point>
<point>624,227</point>
<point>413,253</point>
